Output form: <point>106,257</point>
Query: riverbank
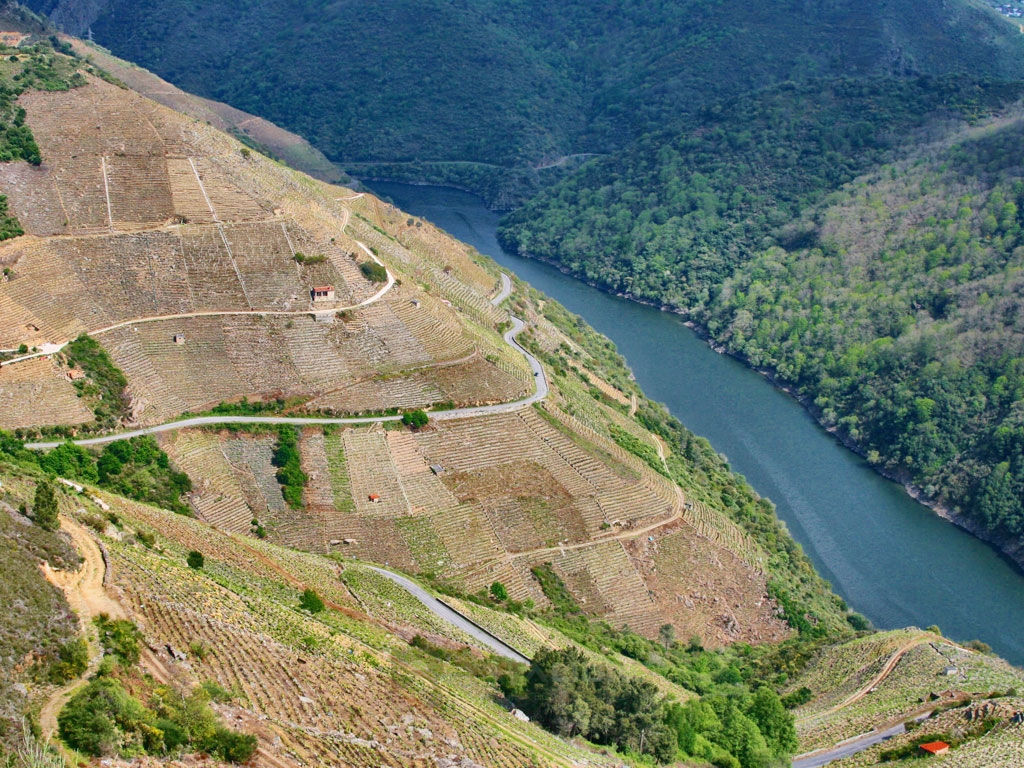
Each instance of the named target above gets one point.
<point>1007,548</point>
<point>881,550</point>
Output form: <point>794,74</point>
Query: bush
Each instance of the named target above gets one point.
<point>44,508</point>
<point>858,622</point>
<point>120,638</point>
<point>72,661</point>
<point>797,698</point>
<point>106,385</point>
<point>195,560</point>
<point>311,601</point>
<point>231,746</point>
<point>415,419</point>
<point>498,591</point>
<point>373,272</point>
<point>103,719</point>
<point>289,467</point>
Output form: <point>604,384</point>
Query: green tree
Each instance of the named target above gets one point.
<point>44,508</point>
<point>103,719</point>
<point>72,461</point>
<point>415,419</point>
<point>195,560</point>
<point>774,722</point>
<point>498,591</point>
<point>311,601</point>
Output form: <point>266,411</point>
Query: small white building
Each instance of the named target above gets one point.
<point>322,293</point>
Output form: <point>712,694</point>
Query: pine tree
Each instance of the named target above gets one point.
<point>44,510</point>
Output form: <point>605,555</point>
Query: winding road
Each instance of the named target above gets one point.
<point>453,617</point>
<point>540,392</point>
<point>50,349</point>
<point>859,743</point>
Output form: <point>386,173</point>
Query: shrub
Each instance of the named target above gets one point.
<point>230,745</point>
<point>415,419</point>
<point>498,591</point>
<point>70,460</point>
<point>289,467</point>
<point>195,560</point>
<point>858,622</point>
<point>373,272</point>
<point>797,697</point>
<point>44,509</point>
<point>103,718</point>
<point>978,645</point>
<point>216,692</point>
<point>311,601</point>
<point>119,637</point>
<point>72,660</point>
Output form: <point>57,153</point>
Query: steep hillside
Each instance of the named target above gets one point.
<point>913,349</point>
<point>169,269</point>
<point>375,397</point>
<point>517,85</point>
<point>889,301</point>
<point>365,673</point>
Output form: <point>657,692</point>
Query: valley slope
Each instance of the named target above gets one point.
<point>165,269</point>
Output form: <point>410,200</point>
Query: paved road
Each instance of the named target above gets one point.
<point>852,746</point>
<point>518,325</point>
<point>506,289</point>
<point>452,617</point>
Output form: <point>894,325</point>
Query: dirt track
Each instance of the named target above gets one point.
<point>84,592</point>
<point>865,689</point>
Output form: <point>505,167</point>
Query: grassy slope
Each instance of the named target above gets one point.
<point>249,584</point>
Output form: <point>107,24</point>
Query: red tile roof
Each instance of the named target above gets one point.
<point>935,747</point>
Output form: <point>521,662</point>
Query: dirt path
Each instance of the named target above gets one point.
<point>53,348</point>
<point>84,592</point>
<point>865,689</point>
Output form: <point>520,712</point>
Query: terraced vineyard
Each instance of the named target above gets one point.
<point>315,688</point>
<point>168,222</point>
<point>192,262</point>
<point>930,670</point>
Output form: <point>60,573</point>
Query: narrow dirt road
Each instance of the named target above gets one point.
<point>865,689</point>
<point>84,592</point>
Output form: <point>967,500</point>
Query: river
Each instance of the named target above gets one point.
<point>890,557</point>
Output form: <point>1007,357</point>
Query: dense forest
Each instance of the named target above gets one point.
<point>903,318</point>
<point>866,248</point>
<point>512,84</point>
<point>671,217</point>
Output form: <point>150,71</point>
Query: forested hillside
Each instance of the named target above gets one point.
<point>891,301</point>
<point>671,217</point>
<point>515,84</point>
<point>902,317</point>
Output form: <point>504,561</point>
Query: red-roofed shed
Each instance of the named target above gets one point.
<point>323,293</point>
<point>935,747</point>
